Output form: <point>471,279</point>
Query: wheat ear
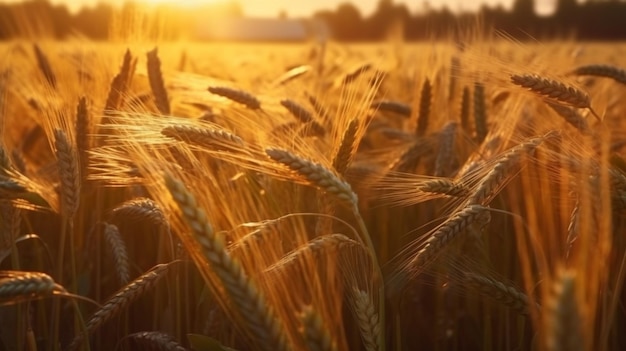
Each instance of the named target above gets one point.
<point>119,85</point>
<point>241,290</point>
<point>318,107</point>
<point>616,73</point>
<point>555,90</point>
<point>465,109</point>
<point>392,106</point>
<point>572,117</point>
<point>410,158</point>
<point>506,165</point>
<point>508,295</point>
<point>314,331</point>
<point>154,340</point>
<point>17,286</point>
<point>563,318</point>
<point>238,96</point>
<point>11,219</point>
<point>69,172</point>
<point>44,66</point>
<point>118,251</point>
<point>315,174</point>
<point>448,231</point>
<point>480,112</point>
<point>445,156</point>
<point>347,148</point>
<point>297,110</point>
<point>121,300</point>
<point>367,319</point>
<point>292,74</point>
<point>444,186</point>
<point>424,108</point>
<point>155,77</point>
<point>324,244</point>
<point>83,133</point>
<point>140,209</point>
<point>213,139</point>
<point>356,73</point>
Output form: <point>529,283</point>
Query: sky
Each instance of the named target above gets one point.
<point>297,8</point>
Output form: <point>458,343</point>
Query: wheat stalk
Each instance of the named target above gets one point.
<point>83,133</point>
<point>292,74</point>
<point>315,174</point>
<point>297,110</point>
<point>119,85</point>
<point>563,318</point>
<point>236,95</point>
<point>367,319</point>
<point>508,295</point>
<point>447,232</point>
<point>155,77</point>
<point>11,188</point>
<point>241,290</point>
<point>445,156</point>
<point>325,244</point>
<point>572,117</point>
<point>118,251</point>
<point>140,209</point>
<point>424,108</point>
<point>553,89</point>
<point>19,285</point>
<point>465,110</point>
<point>44,66</point>
<point>410,158</point>
<point>69,171</point>
<point>121,300</point>
<point>392,106</point>
<point>315,334</point>
<point>480,112</point>
<point>444,186</point>
<point>213,139</point>
<point>505,166</point>
<point>616,73</point>
<point>356,73</point>
<point>347,148</point>
<point>11,218</point>
<point>455,70</point>
<point>318,107</point>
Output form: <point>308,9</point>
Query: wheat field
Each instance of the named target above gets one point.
<point>456,195</point>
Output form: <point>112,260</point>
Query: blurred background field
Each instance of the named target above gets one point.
<point>382,175</point>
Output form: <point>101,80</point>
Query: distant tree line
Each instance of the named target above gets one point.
<point>591,20</point>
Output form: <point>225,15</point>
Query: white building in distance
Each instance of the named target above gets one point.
<point>261,29</point>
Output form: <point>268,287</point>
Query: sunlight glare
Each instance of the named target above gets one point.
<point>180,3</point>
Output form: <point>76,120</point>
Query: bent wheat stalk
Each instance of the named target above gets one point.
<point>448,231</point>
<point>248,301</point>
<point>607,71</point>
<point>555,90</point>
<point>505,166</point>
<point>508,295</point>
<point>212,139</point>
<point>315,174</point>
<point>121,300</point>
<point>238,96</point>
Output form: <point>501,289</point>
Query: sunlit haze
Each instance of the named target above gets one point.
<point>300,8</point>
